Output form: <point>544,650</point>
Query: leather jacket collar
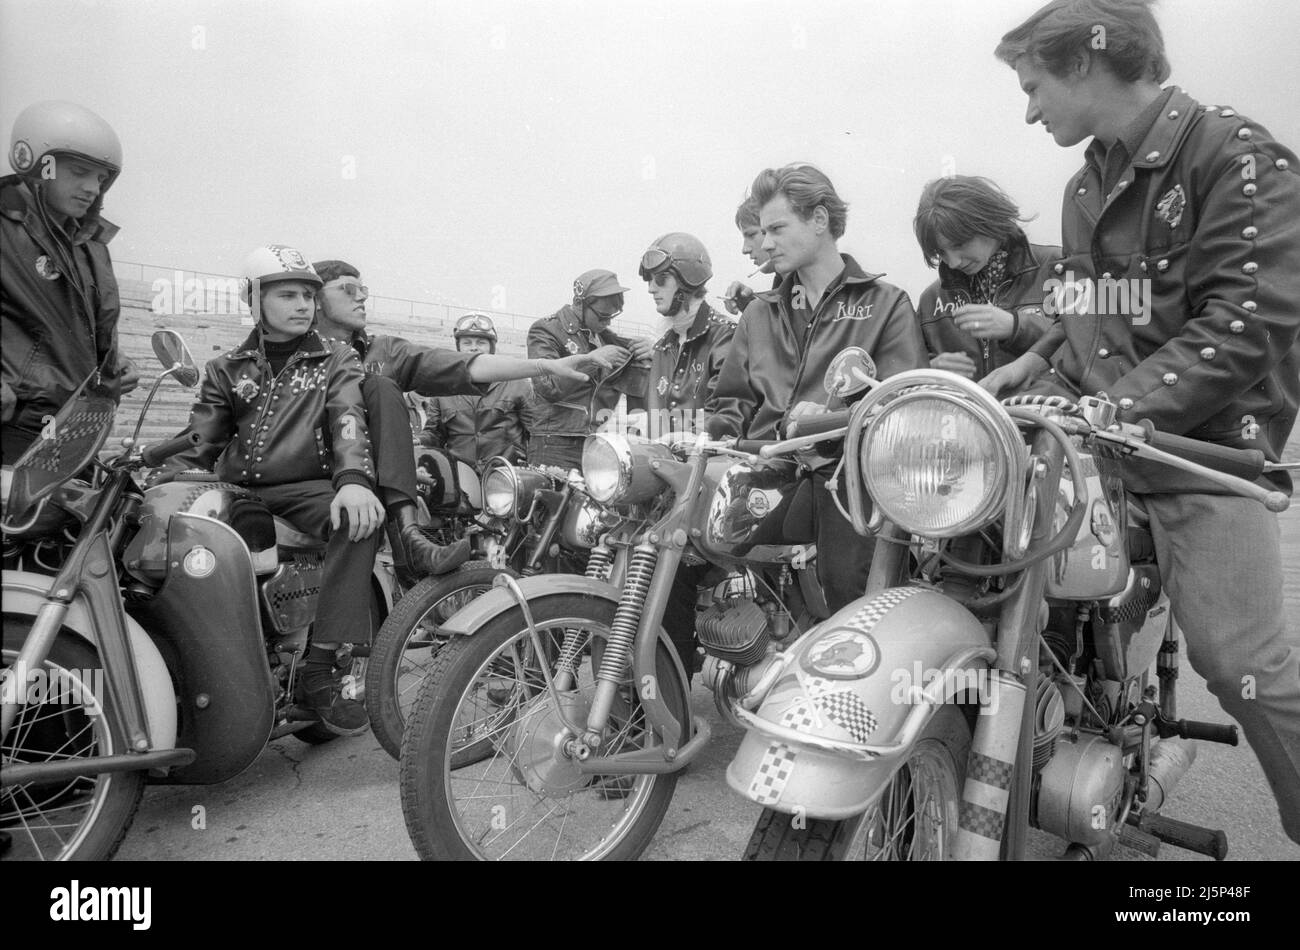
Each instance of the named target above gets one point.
<point>18,203</point>
<point>852,274</point>
<point>252,347</point>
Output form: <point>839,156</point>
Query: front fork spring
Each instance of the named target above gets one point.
<point>600,563</point>
<point>627,618</point>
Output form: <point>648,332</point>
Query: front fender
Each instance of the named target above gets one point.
<point>470,618</point>
<point>24,595</point>
<point>853,697</point>
<point>497,601</point>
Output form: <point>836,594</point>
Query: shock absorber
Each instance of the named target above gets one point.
<point>1167,672</point>
<point>622,637</point>
<point>601,562</point>
<point>618,651</point>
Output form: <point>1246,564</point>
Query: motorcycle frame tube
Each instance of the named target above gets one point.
<point>214,624</point>
<point>25,595</point>
<point>1006,737</point>
<point>90,571</point>
<point>557,503</point>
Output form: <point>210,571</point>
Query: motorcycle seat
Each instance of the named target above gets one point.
<point>292,541</point>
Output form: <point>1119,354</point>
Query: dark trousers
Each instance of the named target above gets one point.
<point>343,610</point>
<point>562,451</point>
<point>391,441</point>
<point>843,555</point>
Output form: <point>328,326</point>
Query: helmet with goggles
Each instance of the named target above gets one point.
<point>476,324</point>
<point>683,255</point>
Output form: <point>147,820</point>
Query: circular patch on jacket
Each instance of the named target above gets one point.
<point>571,346</point>
<point>21,156</point>
<point>842,655</point>
<point>46,269</point>
<point>758,504</point>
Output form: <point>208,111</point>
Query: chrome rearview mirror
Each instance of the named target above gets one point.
<point>851,372</point>
<point>172,352</point>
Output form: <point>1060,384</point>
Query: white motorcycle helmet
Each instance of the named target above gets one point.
<point>271,264</point>
<point>62,128</point>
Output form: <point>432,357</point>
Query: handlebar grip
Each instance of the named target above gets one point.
<point>1209,731</point>
<point>826,422</point>
<point>154,455</point>
<point>751,446</point>
<point>1243,463</point>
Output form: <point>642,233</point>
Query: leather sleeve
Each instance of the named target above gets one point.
<point>346,415</point>
<point>734,401</point>
<point>213,418</point>
<point>542,345</point>
<point>427,370</point>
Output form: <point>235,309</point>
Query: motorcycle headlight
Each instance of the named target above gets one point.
<point>508,490</point>
<point>617,470</point>
<point>940,460</point>
<point>499,492</point>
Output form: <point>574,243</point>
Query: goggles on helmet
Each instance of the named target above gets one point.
<point>652,260</point>
<point>615,302</point>
<point>475,323</point>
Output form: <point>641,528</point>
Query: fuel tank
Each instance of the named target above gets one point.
<point>757,512</point>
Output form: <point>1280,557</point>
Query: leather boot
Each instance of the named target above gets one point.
<point>424,557</point>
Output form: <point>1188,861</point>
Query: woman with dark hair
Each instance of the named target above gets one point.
<point>987,307</point>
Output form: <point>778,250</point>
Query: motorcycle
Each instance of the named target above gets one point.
<point>995,677</point>
<point>148,636</point>
<point>566,687</point>
<point>539,520</point>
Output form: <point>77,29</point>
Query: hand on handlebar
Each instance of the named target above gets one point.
<point>1015,374</point>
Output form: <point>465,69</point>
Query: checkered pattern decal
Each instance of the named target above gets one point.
<point>850,713</point>
<point>982,821</point>
<point>875,609</point>
<point>991,771</point>
<point>72,432</point>
<point>773,772</point>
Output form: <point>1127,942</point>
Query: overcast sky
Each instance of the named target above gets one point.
<point>486,153</point>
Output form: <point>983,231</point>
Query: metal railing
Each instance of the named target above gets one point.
<point>219,293</point>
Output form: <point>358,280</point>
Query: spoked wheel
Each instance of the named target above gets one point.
<point>913,819</point>
<point>407,644</point>
<point>527,799</point>
<point>76,819</point>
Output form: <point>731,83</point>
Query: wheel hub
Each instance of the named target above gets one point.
<point>539,742</point>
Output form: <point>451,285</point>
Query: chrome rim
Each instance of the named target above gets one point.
<point>49,822</point>
<point>915,815</point>
<point>500,807</point>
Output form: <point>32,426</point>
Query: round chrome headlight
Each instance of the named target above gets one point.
<point>617,470</point>
<point>499,491</point>
<point>940,463</point>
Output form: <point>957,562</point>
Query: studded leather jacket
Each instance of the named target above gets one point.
<point>771,368</point>
<point>307,423</point>
<point>1021,293</point>
<point>575,408</point>
<point>684,373</point>
<point>1200,234</point>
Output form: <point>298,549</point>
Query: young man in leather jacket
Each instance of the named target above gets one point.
<point>479,426</point>
<point>1196,209</point>
<point>58,294</point>
<point>283,416</point>
<point>789,335</point>
<point>393,367</point>
<point>567,411</point>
